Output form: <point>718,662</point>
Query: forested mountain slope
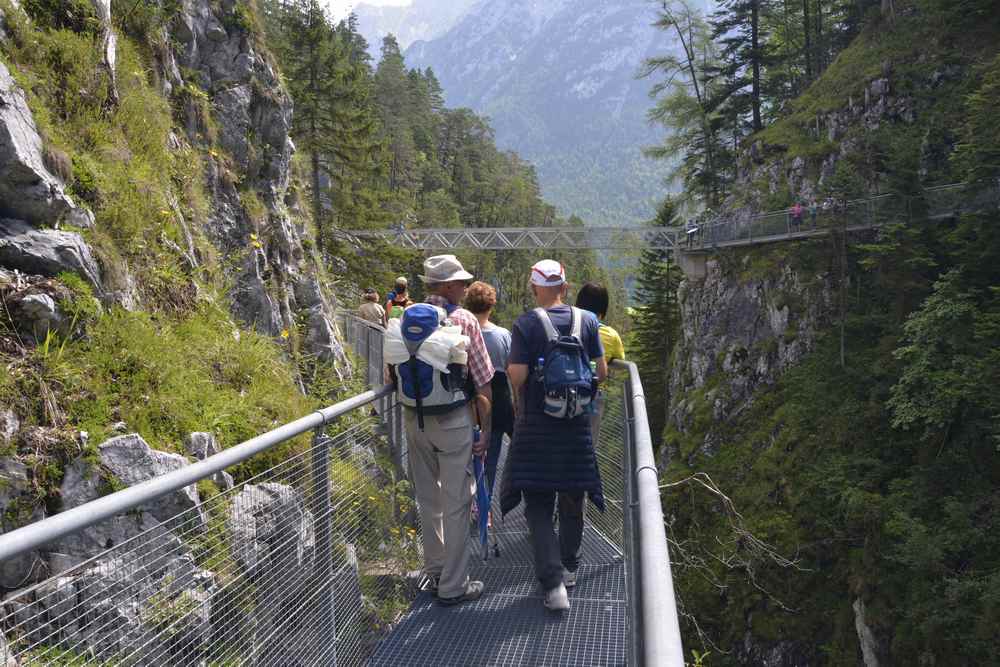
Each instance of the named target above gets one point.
<point>557,80</point>
<point>831,424</point>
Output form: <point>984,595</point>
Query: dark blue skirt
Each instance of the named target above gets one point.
<point>548,454</point>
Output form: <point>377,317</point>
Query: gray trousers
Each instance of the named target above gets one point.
<point>441,465</point>
<point>553,553</point>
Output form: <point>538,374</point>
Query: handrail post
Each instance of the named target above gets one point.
<point>326,618</point>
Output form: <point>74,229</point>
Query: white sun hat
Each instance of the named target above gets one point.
<point>444,268</point>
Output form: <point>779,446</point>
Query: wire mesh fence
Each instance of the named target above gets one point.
<point>302,563</point>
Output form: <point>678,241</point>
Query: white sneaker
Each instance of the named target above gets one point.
<point>557,599</point>
<point>569,578</point>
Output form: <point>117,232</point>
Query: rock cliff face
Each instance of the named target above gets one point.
<point>742,327</point>
<point>275,277</point>
<point>275,280</point>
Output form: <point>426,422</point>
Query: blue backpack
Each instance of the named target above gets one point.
<point>420,385</point>
<point>567,382</point>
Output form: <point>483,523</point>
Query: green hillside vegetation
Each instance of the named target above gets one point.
<point>873,466</point>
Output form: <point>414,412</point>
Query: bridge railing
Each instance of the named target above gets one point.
<point>301,562</point>
<point>932,203</point>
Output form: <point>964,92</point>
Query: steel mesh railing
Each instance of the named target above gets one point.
<point>301,563</point>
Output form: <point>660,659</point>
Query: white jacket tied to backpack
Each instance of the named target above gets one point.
<point>445,346</point>
<point>430,360</point>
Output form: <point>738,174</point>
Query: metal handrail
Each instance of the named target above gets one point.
<point>84,516</point>
<point>660,628</point>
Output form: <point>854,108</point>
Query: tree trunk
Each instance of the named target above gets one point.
<point>317,204</point>
<point>755,63</point>
<point>820,59</point>
<point>807,32</point>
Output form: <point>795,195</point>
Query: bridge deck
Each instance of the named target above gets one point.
<point>509,625</point>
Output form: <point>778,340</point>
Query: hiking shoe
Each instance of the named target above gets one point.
<point>430,584</point>
<point>473,591</point>
<point>557,599</point>
<point>569,578</point>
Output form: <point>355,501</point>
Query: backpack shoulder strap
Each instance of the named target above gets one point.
<point>550,331</point>
<point>576,323</point>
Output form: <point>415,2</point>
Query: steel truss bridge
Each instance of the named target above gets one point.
<point>705,236</point>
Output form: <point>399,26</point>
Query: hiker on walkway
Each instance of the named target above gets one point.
<point>813,210</point>
<point>552,451</point>
<point>397,299</point>
<point>370,310</point>
<point>481,299</point>
<point>691,230</point>
<point>593,297</point>
<point>440,440</point>
<point>797,216</point>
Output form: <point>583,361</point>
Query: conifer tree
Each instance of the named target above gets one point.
<point>656,325</point>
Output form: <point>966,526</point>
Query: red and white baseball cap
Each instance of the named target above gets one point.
<point>548,273</point>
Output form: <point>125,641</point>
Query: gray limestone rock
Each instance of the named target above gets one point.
<point>272,540</point>
<point>271,529</point>
<point>47,252</point>
<point>746,332</point>
<point>20,506</point>
<point>28,190</point>
<point>81,217</point>
<point>38,314</point>
<point>202,445</point>
<point>866,638</point>
<point>128,460</point>
<point>9,425</point>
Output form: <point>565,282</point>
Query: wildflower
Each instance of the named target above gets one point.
<point>253,237</point>
<point>257,244</point>
<point>284,333</point>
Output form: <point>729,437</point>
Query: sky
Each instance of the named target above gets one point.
<point>341,8</point>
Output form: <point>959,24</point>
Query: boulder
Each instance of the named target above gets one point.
<point>46,251</point>
<point>28,190</point>
<point>201,445</point>
<point>131,460</point>
<point>118,611</point>
<point>272,540</point>
<point>37,314</point>
<point>128,460</point>
<point>269,527</point>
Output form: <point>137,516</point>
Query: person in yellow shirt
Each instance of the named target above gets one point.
<point>594,297</point>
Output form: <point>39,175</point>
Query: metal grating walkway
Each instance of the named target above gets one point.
<point>509,625</point>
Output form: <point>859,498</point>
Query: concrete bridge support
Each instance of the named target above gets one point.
<point>694,265</point>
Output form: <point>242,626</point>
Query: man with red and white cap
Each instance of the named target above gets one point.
<point>551,456</point>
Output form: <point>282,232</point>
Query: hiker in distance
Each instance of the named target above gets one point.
<point>442,372</point>
<point>552,452</point>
